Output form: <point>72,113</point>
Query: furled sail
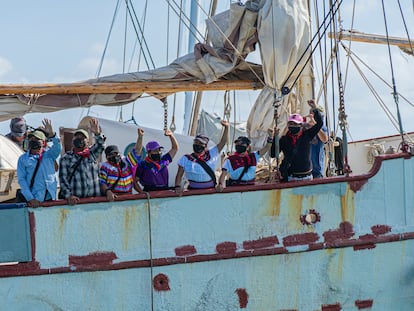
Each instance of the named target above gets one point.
<point>284,35</point>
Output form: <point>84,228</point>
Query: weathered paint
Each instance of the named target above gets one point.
<point>226,251</point>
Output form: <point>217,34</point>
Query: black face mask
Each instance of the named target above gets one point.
<point>198,148</point>
<point>155,157</point>
<point>240,148</point>
<point>115,159</point>
<point>35,144</point>
<point>79,143</point>
<point>294,129</point>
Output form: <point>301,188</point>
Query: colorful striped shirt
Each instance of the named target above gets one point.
<point>119,178</point>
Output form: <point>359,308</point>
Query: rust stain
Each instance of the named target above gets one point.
<point>130,223</point>
<point>93,259</point>
<point>270,241</point>
<point>161,282</point>
<point>126,229</point>
<point>275,202</point>
<point>380,229</point>
<point>344,232</point>
<point>243,297</point>
<point>333,307</point>
<point>348,206</point>
<point>185,250</point>
<point>369,242</point>
<point>295,204</point>
<point>300,239</point>
<point>226,248</point>
<point>364,304</point>
<point>356,185</point>
<point>63,215</point>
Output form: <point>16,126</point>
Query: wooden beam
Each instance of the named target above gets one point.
<point>127,87</point>
<point>370,38</point>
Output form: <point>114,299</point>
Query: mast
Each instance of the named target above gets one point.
<point>127,87</point>
<point>191,42</point>
<point>371,38</point>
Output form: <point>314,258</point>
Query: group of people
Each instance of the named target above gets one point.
<point>81,173</point>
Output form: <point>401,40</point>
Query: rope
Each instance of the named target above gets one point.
<point>148,197</point>
<point>98,72</point>
<point>405,26</point>
<point>284,88</point>
<point>165,107</point>
<point>404,147</point>
<point>237,52</point>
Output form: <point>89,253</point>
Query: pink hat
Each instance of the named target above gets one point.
<point>296,117</point>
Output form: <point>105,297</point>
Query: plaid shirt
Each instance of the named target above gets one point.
<point>85,179</point>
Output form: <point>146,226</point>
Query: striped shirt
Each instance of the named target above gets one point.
<point>81,181</point>
<point>119,178</point>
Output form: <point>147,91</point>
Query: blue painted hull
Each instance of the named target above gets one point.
<point>340,244</point>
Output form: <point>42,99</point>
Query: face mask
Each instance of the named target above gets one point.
<point>35,144</point>
<point>79,143</point>
<point>115,159</point>
<point>155,157</point>
<point>294,129</point>
<point>240,148</point>
<point>198,148</point>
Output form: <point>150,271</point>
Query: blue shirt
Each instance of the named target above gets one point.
<point>318,155</point>
<point>45,181</point>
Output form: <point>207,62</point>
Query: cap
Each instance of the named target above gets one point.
<point>152,145</point>
<point>110,149</point>
<point>83,132</point>
<point>243,140</point>
<point>18,126</point>
<point>38,134</point>
<point>296,117</point>
<point>202,139</point>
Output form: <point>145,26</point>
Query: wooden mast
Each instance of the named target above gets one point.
<point>127,87</point>
<point>371,38</point>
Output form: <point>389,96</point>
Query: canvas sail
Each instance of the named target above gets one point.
<point>284,35</point>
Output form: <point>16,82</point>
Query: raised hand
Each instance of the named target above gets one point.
<point>140,132</point>
<point>94,126</point>
<point>47,127</point>
<point>168,133</point>
<point>225,123</point>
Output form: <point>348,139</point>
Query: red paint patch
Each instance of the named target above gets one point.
<point>32,224</point>
<point>345,231</point>
<point>380,229</point>
<point>364,304</point>
<point>243,297</point>
<point>368,240</point>
<point>300,239</point>
<point>93,259</point>
<point>226,248</point>
<point>185,250</point>
<point>270,241</point>
<point>357,185</point>
<point>161,282</point>
<point>335,307</point>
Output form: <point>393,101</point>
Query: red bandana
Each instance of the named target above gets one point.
<point>295,137</point>
<point>84,153</point>
<point>156,164</point>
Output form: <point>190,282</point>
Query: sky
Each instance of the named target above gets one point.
<point>49,41</point>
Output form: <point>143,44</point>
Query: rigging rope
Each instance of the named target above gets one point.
<point>284,88</point>
<point>405,27</point>
<point>404,146</point>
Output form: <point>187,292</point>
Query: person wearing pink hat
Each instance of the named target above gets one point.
<point>296,146</point>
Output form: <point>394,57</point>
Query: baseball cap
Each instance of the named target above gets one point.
<point>152,145</point>
<point>83,132</point>
<point>38,134</point>
<point>202,139</point>
<point>296,118</point>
